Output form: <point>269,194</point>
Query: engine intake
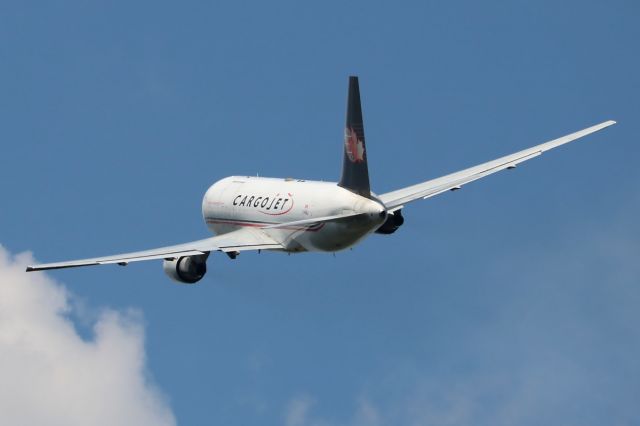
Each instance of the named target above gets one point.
<point>391,225</point>
<point>186,269</point>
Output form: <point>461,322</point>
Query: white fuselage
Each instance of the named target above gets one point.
<point>242,201</point>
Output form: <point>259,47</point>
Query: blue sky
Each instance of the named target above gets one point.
<point>513,301</point>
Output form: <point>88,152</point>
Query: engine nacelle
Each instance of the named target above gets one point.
<point>391,225</point>
<point>186,269</point>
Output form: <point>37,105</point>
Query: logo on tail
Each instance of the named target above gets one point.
<point>354,147</point>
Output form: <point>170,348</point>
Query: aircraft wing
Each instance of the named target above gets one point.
<point>240,240</point>
<point>395,200</point>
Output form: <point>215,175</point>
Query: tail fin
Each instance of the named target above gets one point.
<point>355,172</point>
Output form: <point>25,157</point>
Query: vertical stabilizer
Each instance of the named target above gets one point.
<point>355,172</point>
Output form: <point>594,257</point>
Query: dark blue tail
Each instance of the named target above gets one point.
<point>355,172</point>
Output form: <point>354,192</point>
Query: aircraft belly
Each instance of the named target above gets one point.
<point>339,235</point>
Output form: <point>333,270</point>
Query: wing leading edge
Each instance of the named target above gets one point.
<point>395,200</point>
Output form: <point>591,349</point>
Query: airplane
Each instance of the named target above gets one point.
<point>249,213</point>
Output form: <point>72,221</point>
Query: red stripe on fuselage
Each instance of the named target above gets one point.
<point>313,228</point>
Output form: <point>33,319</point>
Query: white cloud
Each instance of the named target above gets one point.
<point>50,375</point>
<point>297,411</point>
<point>366,414</point>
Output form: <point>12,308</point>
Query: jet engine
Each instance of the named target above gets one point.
<point>186,269</point>
<point>391,225</point>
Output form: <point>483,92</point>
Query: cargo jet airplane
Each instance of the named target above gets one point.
<point>295,215</point>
